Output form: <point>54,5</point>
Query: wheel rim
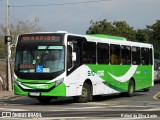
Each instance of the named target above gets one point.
<point>131,88</point>
<point>84,93</point>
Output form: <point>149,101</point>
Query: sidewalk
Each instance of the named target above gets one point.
<point>7,95</point>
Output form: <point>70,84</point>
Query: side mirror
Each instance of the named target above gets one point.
<point>74,56</point>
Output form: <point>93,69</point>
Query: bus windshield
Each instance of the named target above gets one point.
<point>39,59</point>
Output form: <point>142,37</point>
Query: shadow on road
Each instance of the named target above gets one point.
<point>116,97</point>
<point>69,100</point>
<point>157,82</point>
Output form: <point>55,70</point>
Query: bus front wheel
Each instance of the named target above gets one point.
<point>86,93</point>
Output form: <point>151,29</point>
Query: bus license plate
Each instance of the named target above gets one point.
<point>34,94</point>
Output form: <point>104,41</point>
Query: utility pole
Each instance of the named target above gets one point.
<point>8,40</point>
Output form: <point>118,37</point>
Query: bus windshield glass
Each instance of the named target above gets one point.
<point>39,59</point>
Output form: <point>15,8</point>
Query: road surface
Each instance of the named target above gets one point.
<point>143,105</point>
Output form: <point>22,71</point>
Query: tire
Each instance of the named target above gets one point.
<point>131,88</point>
<point>44,100</point>
<point>86,94</point>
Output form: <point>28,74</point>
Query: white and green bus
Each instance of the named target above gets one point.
<point>59,64</point>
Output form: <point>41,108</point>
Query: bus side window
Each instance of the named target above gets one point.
<point>136,59</point>
<point>115,54</point>
<point>126,55</point>
<point>145,56</point>
<point>89,52</point>
<point>102,53</point>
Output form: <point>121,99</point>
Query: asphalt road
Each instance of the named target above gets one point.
<point>143,105</point>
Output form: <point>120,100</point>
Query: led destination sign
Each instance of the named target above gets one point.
<point>39,38</point>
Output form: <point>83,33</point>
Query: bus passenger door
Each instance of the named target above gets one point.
<point>71,56</point>
<point>71,79</point>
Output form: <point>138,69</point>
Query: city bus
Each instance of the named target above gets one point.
<point>49,65</point>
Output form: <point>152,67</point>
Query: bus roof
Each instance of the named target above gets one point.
<point>103,38</point>
<point>108,36</point>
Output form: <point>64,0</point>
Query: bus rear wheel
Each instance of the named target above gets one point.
<point>86,93</point>
<point>131,88</point>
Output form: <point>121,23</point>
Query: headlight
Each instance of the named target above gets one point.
<point>59,81</point>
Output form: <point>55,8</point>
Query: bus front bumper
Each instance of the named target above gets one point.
<point>57,91</point>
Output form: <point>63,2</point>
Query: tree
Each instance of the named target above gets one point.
<point>155,37</point>
<point>124,30</point>
<point>2,48</point>
<point>142,35</point>
<point>101,27</point>
<point>16,29</point>
<point>117,28</point>
<point>22,27</point>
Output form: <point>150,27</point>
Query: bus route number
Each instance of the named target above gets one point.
<point>91,73</point>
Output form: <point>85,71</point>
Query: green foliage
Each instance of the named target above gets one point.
<point>124,30</point>
<point>101,27</point>
<point>142,35</point>
<point>154,31</point>
<point>117,28</point>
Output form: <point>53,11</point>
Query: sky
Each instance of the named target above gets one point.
<point>75,18</point>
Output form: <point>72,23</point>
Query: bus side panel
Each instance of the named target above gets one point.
<point>147,75</point>
<point>103,81</point>
<point>141,74</point>
<point>105,72</point>
<point>143,77</point>
<point>57,91</point>
<point>77,78</point>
